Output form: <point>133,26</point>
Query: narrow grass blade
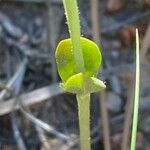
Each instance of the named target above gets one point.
<point>136,100</point>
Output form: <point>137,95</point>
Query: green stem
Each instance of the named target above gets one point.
<point>84,120</point>
<point>72,16</point>
<point>136,100</point>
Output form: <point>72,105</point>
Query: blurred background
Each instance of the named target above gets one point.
<point>35,114</point>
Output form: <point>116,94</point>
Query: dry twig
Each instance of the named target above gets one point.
<point>145,45</point>
<point>102,99</point>
<point>31,98</point>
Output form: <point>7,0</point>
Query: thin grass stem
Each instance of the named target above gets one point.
<point>136,100</point>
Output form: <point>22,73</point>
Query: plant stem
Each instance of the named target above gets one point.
<point>72,16</point>
<point>136,100</point>
<point>84,120</point>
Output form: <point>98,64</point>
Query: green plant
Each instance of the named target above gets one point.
<point>136,99</point>
<point>78,61</point>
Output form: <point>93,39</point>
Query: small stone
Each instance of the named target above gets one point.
<point>125,35</point>
<point>113,102</point>
<point>114,5</point>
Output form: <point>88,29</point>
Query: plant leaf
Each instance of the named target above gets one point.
<point>82,84</point>
<point>94,85</point>
<point>75,84</point>
<point>66,63</point>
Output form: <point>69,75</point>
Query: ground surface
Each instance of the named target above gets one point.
<point>29,32</point>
